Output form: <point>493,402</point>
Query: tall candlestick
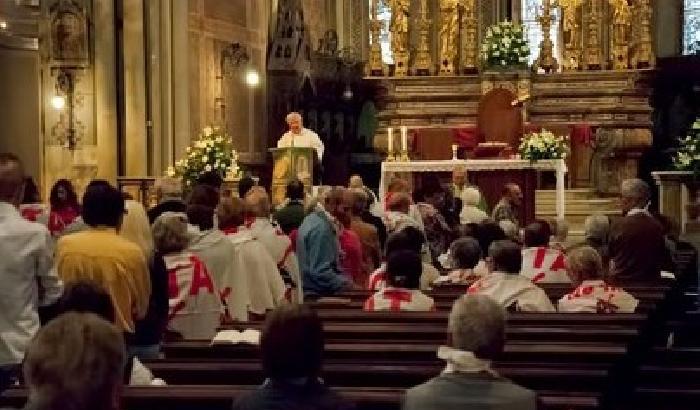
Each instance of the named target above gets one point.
<point>390,140</point>
<point>404,138</point>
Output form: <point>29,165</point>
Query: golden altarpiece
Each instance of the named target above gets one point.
<point>596,90</point>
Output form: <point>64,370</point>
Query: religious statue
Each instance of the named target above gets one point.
<point>571,29</point>
<point>593,47</point>
<point>422,64</point>
<point>399,35</point>
<point>621,28</point>
<point>449,30</point>
<point>644,56</point>
<point>470,25</point>
<point>68,34</point>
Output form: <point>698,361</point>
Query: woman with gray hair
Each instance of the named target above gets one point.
<point>597,233</point>
<point>592,294</point>
<point>195,309</point>
<point>476,336</point>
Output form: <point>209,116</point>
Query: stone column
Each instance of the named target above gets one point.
<point>105,91</point>
<point>135,137</point>
<point>180,76</point>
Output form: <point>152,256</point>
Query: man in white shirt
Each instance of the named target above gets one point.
<point>298,136</point>
<point>506,286</point>
<point>27,272</point>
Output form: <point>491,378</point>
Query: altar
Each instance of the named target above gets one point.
<point>490,175</point>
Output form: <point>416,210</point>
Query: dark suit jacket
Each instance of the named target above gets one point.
<point>278,395</point>
<point>637,249</point>
<point>290,216</point>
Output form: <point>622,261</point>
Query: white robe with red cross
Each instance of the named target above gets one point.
<point>399,299</point>
<point>544,265</point>
<point>595,296</point>
<point>278,245</point>
<point>513,291</point>
<point>195,308</point>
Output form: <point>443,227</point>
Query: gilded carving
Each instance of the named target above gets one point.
<point>399,35</point>
<point>470,25</point>
<point>449,30</point>
<point>621,34</point>
<point>571,29</point>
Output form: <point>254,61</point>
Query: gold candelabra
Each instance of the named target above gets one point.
<point>423,61</point>
<point>546,59</point>
<point>470,24</point>
<point>376,65</point>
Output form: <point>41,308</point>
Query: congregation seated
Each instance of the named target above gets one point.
<point>31,208</point>
<point>168,192</point>
<point>504,283</point>
<point>57,379</point>
<point>275,242</point>
<point>596,231</point>
<point>64,210</point>
<point>592,293</point>
<point>465,255</point>
<point>431,204</point>
<point>401,293</point>
<point>195,307</point>
<point>410,239</point>
<point>136,227</point>
<point>508,207</point>
<point>560,234</point>
<point>99,254</point>
<point>372,211</point>
<point>351,250</point>
<point>399,186</point>
<point>471,212</point>
<point>510,230</point>
<point>637,248</point>
<point>542,263</point>
<point>291,214</point>
<point>292,349</point>
<point>88,297</point>
<point>367,233</point>
<point>255,284</point>
<point>476,336</point>
<point>317,248</point>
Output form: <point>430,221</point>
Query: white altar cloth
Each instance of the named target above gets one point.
<point>471,165</point>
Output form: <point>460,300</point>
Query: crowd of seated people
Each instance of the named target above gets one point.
<point>190,264</point>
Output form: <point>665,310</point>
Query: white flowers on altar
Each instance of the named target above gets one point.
<point>543,145</point>
<point>212,151</point>
<point>505,46</point>
<point>686,157</point>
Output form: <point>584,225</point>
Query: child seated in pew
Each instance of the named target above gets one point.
<point>411,239</point>
<point>505,284</point>
<point>292,348</point>
<point>592,294</point>
<point>402,293</point>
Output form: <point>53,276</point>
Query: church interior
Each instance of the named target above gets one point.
<point>565,100</point>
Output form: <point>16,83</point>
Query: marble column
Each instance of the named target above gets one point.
<point>135,136</point>
<point>105,91</point>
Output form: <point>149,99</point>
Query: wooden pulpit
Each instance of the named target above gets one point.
<point>289,164</point>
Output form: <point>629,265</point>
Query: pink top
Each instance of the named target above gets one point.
<point>351,256</point>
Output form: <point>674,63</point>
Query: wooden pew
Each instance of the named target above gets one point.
<point>221,398</point>
<point>368,352</point>
<point>406,332</point>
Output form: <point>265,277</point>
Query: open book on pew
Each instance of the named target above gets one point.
<point>232,337</point>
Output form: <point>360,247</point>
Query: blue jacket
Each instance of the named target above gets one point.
<point>317,250</point>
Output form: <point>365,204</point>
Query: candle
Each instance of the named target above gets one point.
<point>454,151</point>
<point>404,138</point>
<point>390,140</point>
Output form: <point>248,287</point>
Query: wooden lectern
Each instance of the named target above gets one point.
<point>289,164</point>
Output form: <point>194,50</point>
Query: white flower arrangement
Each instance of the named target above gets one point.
<point>505,46</point>
<point>687,156</point>
<point>212,151</point>
<point>543,145</point>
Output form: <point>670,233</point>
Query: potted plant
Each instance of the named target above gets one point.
<point>686,157</point>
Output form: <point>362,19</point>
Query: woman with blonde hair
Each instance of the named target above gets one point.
<point>136,228</point>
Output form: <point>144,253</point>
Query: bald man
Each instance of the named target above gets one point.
<point>26,272</point>
<point>298,136</point>
<point>318,248</point>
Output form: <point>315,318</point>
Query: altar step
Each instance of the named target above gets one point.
<point>580,203</point>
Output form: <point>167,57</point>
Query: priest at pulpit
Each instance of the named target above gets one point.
<point>300,137</point>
